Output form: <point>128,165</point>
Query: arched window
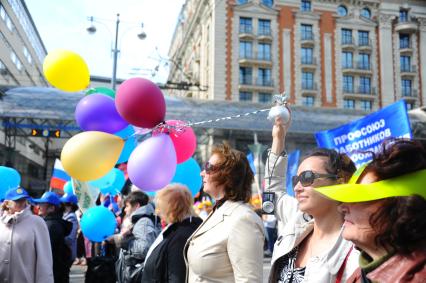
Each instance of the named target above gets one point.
<point>366,13</point>
<point>342,11</point>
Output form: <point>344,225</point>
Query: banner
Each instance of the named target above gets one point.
<point>85,193</point>
<point>292,164</point>
<point>366,134</point>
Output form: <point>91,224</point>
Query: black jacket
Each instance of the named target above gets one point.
<point>61,254</point>
<point>166,263</point>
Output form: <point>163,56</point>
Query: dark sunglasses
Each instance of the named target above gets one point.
<point>208,167</point>
<point>307,178</point>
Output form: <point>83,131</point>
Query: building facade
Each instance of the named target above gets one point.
<point>21,49</point>
<point>353,54</point>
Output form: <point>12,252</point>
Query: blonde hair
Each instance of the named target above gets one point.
<point>175,203</point>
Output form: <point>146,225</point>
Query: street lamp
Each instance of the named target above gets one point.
<point>92,30</point>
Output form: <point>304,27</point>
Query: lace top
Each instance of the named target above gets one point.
<point>287,270</point>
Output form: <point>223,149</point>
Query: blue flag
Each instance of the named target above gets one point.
<point>293,163</point>
<point>367,134</point>
<point>250,159</point>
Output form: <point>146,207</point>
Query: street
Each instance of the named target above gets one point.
<point>77,272</point>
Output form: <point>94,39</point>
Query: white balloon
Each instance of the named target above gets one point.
<point>279,110</point>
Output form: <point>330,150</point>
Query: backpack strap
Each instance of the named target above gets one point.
<point>342,267</point>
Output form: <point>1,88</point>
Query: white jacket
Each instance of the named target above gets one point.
<point>293,227</point>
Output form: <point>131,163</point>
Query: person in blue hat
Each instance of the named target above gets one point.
<point>49,206</point>
<point>25,252</point>
<point>70,206</point>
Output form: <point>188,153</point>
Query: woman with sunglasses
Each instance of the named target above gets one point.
<point>228,245</point>
<point>309,247</point>
<point>384,208</point>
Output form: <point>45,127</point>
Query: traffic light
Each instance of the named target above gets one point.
<point>46,133</point>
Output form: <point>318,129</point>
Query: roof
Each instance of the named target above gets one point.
<point>53,104</point>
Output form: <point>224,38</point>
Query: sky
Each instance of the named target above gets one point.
<point>62,24</point>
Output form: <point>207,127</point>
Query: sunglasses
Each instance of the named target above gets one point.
<point>209,168</point>
<point>307,178</point>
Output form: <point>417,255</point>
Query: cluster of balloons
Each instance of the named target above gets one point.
<point>9,179</point>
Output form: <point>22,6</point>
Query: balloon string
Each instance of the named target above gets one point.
<point>179,128</point>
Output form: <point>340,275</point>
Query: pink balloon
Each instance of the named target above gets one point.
<point>184,140</point>
<point>152,164</point>
<point>141,103</point>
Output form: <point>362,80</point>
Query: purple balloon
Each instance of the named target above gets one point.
<point>97,112</point>
<point>152,164</point>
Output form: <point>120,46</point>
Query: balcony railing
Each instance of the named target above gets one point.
<point>307,36</point>
<point>409,92</point>
<point>256,56</point>
<point>308,61</point>
<point>348,89</point>
<point>364,42</point>
<point>363,66</point>
<point>264,82</point>
<point>348,40</point>
<point>366,90</point>
<point>246,29</point>
<point>309,86</point>
<point>247,80</point>
<point>405,68</point>
<point>264,32</point>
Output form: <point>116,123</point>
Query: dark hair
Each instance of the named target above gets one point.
<point>400,222</point>
<point>137,197</point>
<point>233,172</point>
<point>337,163</point>
<point>74,207</point>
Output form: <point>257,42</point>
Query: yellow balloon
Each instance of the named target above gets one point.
<point>66,70</point>
<point>90,155</point>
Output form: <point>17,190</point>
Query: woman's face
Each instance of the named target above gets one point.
<point>211,186</point>
<point>357,226</point>
<point>310,201</point>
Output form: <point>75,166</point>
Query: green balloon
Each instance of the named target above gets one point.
<point>103,90</point>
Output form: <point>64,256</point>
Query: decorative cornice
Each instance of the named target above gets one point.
<point>385,20</point>
<point>422,24</point>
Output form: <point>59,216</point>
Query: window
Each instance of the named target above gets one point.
<point>264,51</point>
<point>346,36</point>
<point>405,63</point>
<point>307,55</point>
<point>3,69</point>
<point>405,87</point>
<point>410,105</point>
<point>366,105</point>
<point>365,85</point>
<point>404,41</point>
<point>366,13</point>
<point>16,60</point>
<point>342,11</point>
<point>308,101</point>
<point>347,60</point>
<point>246,76</point>
<point>27,55</point>
<point>245,25</point>
<point>246,50</point>
<point>348,84</point>
<point>364,61</point>
<point>264,77</point>
<point>306,6</point>
<point>246,96</point>
<point>306,31</point>
<point>265,97</point>
<point>348,103</point>
<point>363,39</point>
<point>403,15</point>
<point>268,3</point>
<point>264,27</point>
<point>307,80</point>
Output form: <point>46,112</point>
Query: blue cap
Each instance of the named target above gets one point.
<point>48,197</point>
<point>69,198</point>
<point>16,193</point>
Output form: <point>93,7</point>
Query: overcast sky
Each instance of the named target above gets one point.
<point>62,24</point>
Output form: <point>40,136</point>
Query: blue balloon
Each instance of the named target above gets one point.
<point>188,173</point>
<point>105,181</point>
<point>68,188</point>
<point>117,185</point>
<point>9,179</point>
<point>129,145</point>
<point>98,223</point>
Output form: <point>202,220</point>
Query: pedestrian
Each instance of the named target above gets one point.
<point>309,247</point>
<point>385,214</point>
<point>164,262</point>
<point>228,245</point>
<point>70,206</point>
<point>137,234</point>
<point>25,252</point>
<point>49,210</point>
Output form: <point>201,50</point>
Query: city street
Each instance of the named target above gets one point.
<point>77,272</point>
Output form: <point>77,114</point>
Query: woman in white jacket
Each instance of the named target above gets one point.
<point>309,247</point>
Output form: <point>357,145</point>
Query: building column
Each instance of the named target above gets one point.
<point>386,59</point>
<point>422,55</point>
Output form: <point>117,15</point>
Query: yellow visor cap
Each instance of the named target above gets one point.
<point>405,185</point>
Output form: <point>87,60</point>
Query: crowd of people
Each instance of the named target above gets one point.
<point>343,225</point>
